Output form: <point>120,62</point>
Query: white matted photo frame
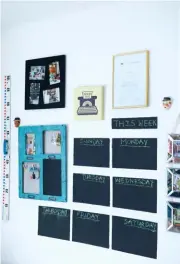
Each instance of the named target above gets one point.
<point>130,80</point>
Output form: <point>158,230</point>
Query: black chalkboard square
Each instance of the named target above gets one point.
<point>134,236</point>
<point>91,228</point>
<point>92,152</point>
<point>91,189</point>
<point>54,222</point>
<point>45,82</point>
<point>52,170</point>
<point>135,194</point>
<point>135,123</point>
<point>134,153</point>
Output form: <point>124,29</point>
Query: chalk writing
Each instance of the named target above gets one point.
<point>91,142</point>
<point>131,123</point>
<point>134,182</point>
<point>88,216</point>
<point>55,211</point>
<point>150,226</point>
<point>134,142</point>
<point>93,178</point>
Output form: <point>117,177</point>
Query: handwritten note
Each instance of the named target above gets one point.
<point>134,142</point>
<point>150,226</point>
<point>88,216</point>
<point>135,123</point>
<point>94,178</point>
<point>55,211</point>
<point>139,182</point>
<point>90,142</point>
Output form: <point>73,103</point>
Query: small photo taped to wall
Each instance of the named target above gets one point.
<point>34,93</point>
<point>37,73</point>
<point>51,96</point>
<point>54,73</point>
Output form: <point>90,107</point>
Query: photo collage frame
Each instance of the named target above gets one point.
<point>43,163</point>
<point>45,83</point>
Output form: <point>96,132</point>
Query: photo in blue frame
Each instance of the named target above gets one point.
<point>43,162</point>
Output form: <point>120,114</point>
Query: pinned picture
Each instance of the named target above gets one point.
<point>51,96</point>
<point>34,93</point>
<point>56,138</point>
<point>30,144</point>
<point>54,73</point>
<point>52,142</point>
<point>89,103</point>
<point>31,178</point>
<point>37,73</point>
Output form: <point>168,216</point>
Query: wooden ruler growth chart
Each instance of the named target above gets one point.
<point>6,147</point>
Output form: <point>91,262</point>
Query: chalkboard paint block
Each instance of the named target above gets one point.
<point>92,152</point>
<point>134,236</point>
<point>91,228</point>
<point>135,194</point>
<point>52,177</point>
<point>54,222</point>
<point>91,189</point>
<point>135,123</point>
<point>134,153</point>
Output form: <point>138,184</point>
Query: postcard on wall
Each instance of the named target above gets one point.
<point>89,103</point>
<point>130,80</point>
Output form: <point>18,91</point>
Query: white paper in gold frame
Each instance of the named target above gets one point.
<point>130,80</point>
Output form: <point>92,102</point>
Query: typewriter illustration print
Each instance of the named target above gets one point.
<point>87,104</point>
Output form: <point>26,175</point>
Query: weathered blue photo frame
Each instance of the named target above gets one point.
<point>39,157</point>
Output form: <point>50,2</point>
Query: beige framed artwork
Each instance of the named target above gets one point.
<point>89,103</point>
<point>130,80</point>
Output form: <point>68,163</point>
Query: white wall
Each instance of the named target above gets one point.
<point>1,151</point>
<point>179,59</point>
<point>89,36</point>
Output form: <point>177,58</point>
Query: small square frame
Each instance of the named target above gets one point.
<point>173,217</point>
<point>173,182</point>
<point>173,152</point>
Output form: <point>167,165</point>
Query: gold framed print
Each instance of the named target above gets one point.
<point>130,80</point>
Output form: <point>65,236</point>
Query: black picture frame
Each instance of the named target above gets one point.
<point>41,92</point>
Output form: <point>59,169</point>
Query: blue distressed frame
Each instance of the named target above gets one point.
<point>39,156</point>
